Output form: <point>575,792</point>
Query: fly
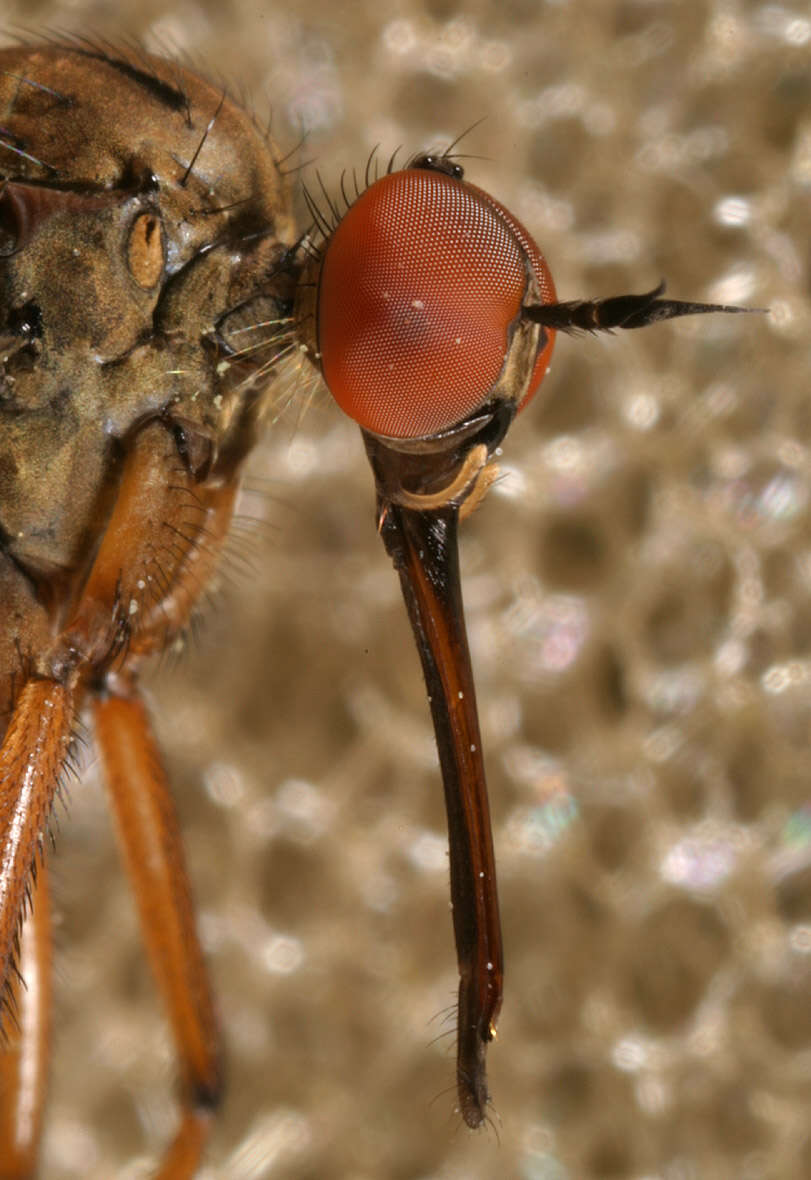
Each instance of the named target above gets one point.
<point>144,222</point>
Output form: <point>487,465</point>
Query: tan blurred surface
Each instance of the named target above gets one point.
<point>639,600</point>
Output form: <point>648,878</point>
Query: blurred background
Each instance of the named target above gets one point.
<point>638,591</point>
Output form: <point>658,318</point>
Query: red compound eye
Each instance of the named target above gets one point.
<point>419,286</point>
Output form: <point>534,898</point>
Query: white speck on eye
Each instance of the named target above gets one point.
<point>418,304</point>
<point>133,606</point>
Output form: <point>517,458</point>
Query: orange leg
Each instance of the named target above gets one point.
<point>37,740</point>
<point>24,1057</point>
<point>32,760</point>
<point>160,543</point>
<point>150,841</point>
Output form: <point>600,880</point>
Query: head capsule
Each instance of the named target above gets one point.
<point>418,301</point>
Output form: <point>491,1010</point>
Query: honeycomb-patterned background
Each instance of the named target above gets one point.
<point>639,600</point>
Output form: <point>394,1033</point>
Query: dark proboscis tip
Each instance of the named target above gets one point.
<point>621,311</point>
